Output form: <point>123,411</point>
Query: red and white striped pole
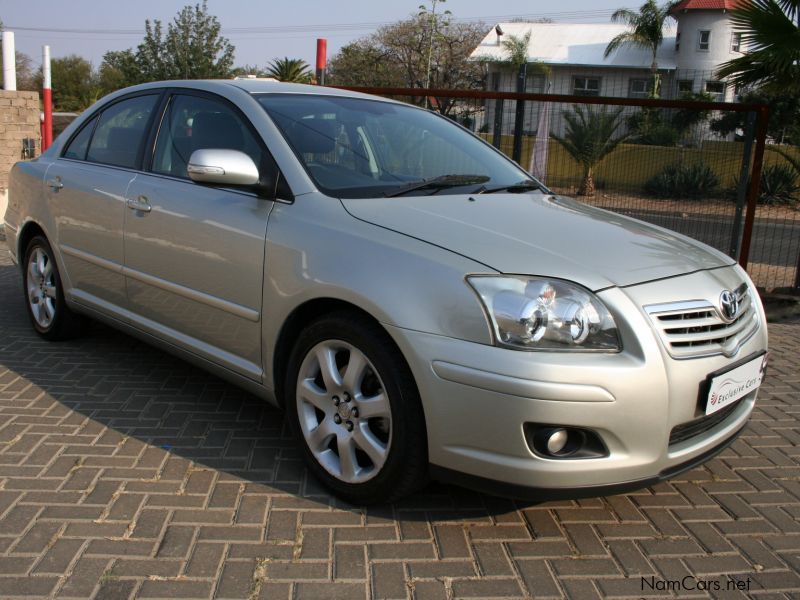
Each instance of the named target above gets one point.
<point>47,99</point>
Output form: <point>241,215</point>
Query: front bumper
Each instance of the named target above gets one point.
<point>477,399</point>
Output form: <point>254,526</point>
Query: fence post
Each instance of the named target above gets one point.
<point>741,191</point>
<point>497,128</point>
<point>519,116</point>
<point>754,185</point>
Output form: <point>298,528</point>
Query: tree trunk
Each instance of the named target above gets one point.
<point>655,93</point>
<point>587,185</point>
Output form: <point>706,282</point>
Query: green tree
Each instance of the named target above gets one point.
<point>366,64</point>
<point>75,85</point>
<point>589,138</point>
<point>784,115</point>
<point>191,48</point>
<point>516,49</point>
<point>771,34</point>
<point>288,69</point>
<point>119,69</point>
<point>26,76</point>
<point>396,55</point>
<point>645,30</point>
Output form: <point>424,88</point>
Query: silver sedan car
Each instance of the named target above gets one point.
<point>416,302</point>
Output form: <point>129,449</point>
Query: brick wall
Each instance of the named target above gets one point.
<point>19,119</point>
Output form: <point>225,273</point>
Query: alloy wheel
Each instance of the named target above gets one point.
<point>344,412</point>
<point>41,287</point>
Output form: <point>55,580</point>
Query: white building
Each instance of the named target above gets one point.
<point>696,43</point>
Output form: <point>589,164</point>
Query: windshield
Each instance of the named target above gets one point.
<point>357,148</point>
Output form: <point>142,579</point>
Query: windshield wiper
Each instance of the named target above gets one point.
<point>438,183</point>
<point>514,188</point>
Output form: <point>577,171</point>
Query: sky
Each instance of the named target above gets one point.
<point>261,31</point>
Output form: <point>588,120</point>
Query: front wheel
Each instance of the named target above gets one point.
<point>44,295</point>
<point>354,405</point>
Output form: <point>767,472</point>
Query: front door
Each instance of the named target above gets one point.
<point>194,254</point>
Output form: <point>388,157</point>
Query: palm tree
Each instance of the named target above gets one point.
<point>516,49</point>
<point>645,30</point>
<point>590,138</point>
<point>293,70</point>
<point>771,33</point>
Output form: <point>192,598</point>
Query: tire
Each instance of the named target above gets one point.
<point>359,421</point>
<point>44,294</point>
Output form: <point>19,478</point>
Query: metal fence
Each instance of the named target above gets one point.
<point>657,160</point>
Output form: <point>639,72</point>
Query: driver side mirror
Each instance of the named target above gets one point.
<point>223,167</point>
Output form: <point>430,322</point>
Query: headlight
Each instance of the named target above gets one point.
<point>545,314</point>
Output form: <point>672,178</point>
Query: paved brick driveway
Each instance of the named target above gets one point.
<point>125,472</point>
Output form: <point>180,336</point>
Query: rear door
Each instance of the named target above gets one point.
<point>194,254</point>
<point>86,189</point>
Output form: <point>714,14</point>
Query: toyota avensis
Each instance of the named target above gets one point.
<point>417,303</point>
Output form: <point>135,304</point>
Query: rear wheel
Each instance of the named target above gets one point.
<point>355,408</point>
<point>44,295</point>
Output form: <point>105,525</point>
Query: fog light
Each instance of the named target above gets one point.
<point>557,440</point>
<point>563,442</point>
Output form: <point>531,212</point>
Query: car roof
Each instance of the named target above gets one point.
<point>251,86</point>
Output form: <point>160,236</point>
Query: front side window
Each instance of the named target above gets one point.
<point>357,148</point>
<point>586,86</point>
<point>685,86</point>
<point>121,131</point>
<point>704,40</point>
<point>196,122</point>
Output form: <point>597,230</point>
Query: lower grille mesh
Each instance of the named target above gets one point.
<point>685,431</point>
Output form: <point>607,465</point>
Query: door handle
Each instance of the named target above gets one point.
<point>140,204</point>
<point>55,183</point>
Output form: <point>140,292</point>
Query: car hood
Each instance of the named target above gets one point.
<point>540,234</point>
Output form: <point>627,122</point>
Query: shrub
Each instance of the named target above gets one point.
<point>683,181</point>
<point>779,185</point>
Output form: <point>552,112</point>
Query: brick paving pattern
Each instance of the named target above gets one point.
<point>127,473</point>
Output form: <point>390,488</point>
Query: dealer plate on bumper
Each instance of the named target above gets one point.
<point>727,387</point>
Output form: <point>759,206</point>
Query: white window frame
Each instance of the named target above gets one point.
<point>585,91</point>
<point>736,41</point>
<point>718,96</point>
<point>535,84</point>
<point>700,41</point>
<point>648,87</point>
<point>684,81</point>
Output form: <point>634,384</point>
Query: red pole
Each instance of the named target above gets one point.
<point>322,60</point>
<point>47,99</point>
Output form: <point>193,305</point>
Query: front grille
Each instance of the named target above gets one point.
<point>685,431</point>
<point>696,328</point>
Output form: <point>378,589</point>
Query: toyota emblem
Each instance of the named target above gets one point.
<point>729,303</point>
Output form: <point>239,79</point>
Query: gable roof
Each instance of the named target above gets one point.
<point>705,5</point>
<point>575,44</point>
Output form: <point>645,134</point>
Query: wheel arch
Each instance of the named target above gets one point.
<point>27,232</point>
<point>297,320</point>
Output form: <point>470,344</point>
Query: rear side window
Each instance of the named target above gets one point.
<point>80,143</point>
<point>121,131</point>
